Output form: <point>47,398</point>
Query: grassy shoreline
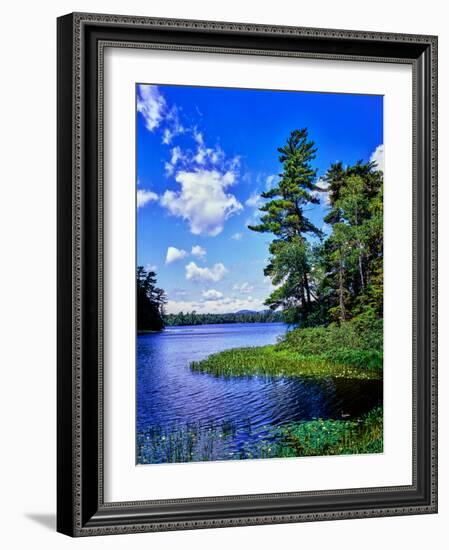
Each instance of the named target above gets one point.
<point>352,350</point>
<point>275,361</point>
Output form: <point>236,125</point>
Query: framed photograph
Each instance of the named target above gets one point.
<point>247,280</point>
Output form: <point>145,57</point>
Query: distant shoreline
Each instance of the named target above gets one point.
<point>243,316</point>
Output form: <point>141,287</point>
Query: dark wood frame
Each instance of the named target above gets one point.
<point>81,509</point>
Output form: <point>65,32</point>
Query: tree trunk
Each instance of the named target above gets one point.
<point>362,277</point>
<point>359,246</point>
<point>341,289</point>
<point>303,302</point>
<point>306,286</point>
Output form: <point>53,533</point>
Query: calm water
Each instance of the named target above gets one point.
<point>217,418</point>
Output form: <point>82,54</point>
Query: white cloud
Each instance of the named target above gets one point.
<point>212,294</point>
<point>202,158</point>
<point>204,154</point>
<point>271,287</point>
<point>255,200</point>
<point>217,155</point>
<point>167,136</point>
<point>225,305</point>
<point>174,254</point>
<point>151,104</point>
<point>270,181</point>
<point>169,169</point>
<point>176,155</point>
<point>322,184</point>
<point>322,194</point>
<point>198,137</point>
<point>202,200</point>
<point>204,176</point>
<point>234,163</point>
<point>325,198</point>
<point>378,157</point>
<point>204,274</point>
<point>243,287</point>
<point>198,251</point>
<point>156,113</point>
<point>174,126</point>
<point>150,267</point>
<point>237,236</point>
<point>144,196</point>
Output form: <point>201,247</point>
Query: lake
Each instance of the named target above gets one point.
<point>184,415</point>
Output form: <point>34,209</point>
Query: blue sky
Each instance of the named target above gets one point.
<point>203,157</point>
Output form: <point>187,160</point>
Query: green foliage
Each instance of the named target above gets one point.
<point>194,318</point>
<point>335,437</point>
<point>341,276</point>
<point>363,333</point>
<point>288,269</point>
<point>150,302</point>
<point>352,256</point>
<point>283,215</point>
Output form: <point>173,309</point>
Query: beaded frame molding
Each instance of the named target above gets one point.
<point>81,509</point>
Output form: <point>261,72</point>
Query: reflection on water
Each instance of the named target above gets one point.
<point>184,415</point>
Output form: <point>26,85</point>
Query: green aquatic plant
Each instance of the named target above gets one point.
<point>206,442</point>
<point>351,350</point>
<point>335,437</point>
<point>273,361</point>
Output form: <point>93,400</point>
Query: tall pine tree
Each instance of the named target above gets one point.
<point>289,265</point>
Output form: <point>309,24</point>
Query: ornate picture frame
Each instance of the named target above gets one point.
<point>81,507</point>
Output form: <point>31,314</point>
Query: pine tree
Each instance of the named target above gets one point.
<point>283,216</point>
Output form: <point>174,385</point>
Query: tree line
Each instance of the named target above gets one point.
<point>332,277</point>
<point>194,318</point>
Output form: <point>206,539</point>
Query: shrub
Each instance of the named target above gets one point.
<point>357,342</point>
